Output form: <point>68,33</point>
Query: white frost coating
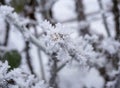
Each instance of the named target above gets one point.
<point>5,10</point>
<point>19,78</point>
<point>37,43</point>
<point>110,45</point>
<point>56,39</point>
<point>3,70</point>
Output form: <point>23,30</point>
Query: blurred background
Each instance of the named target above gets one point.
<point>92,17</point>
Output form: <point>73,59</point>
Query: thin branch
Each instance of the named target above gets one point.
<point>81,17</point>
<point>37,43</point>
<point>72,54</point>
<point>31,38</point>
<point>25,31</point>
<point>116,13</point>
<point>46,11</point>
<point>28,57</point>
<point>104,18</point>
<point>7,33</point>
<point>40,58</point>
<point>62,66</point>
<point>53,71</point>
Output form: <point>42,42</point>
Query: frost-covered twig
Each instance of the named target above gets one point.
<point>104,18</point>
<point>57,43</point>
<point>18,78</point>
<point>56,39</point>
<point>25,32</point>
<point>40,58</point>
<point>12,17</point>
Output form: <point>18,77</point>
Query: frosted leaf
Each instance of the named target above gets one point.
<point>46,26</point>
<point>19,77</point>
<point>57,29</point>
<point>63,55</point>
<point>55,38</point>
<point>110,45</point>
<point>3,69</point>
<point>58,40</point>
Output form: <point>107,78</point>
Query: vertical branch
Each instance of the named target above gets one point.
<point>116,13</point>
<point>28,57</point>
<point>81,16</point>
<point>46,6</point>
<point>32,4</point>
<point>7,34</point>
<point>44,11</point>
<point>47,14</point>
<point>117,84</point>
<point>53,71</point>
<point>80,10</point>
<point>104,18</point>
<point>30,14</point>
<point>40,58</point>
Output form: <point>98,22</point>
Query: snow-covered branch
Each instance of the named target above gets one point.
<point>56,39</point>
<point>18,78</point>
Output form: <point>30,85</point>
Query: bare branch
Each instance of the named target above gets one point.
<point>104,18</point>
<point>116,13</point>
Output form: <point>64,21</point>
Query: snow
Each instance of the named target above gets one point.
<point>98,27</point>
<point>91,6</point>
<point>20,77</point>
<point>95,81</point>
<point>16,42</point>
<point>64,10</point>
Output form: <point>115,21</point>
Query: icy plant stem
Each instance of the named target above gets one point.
<point>40,59</point>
